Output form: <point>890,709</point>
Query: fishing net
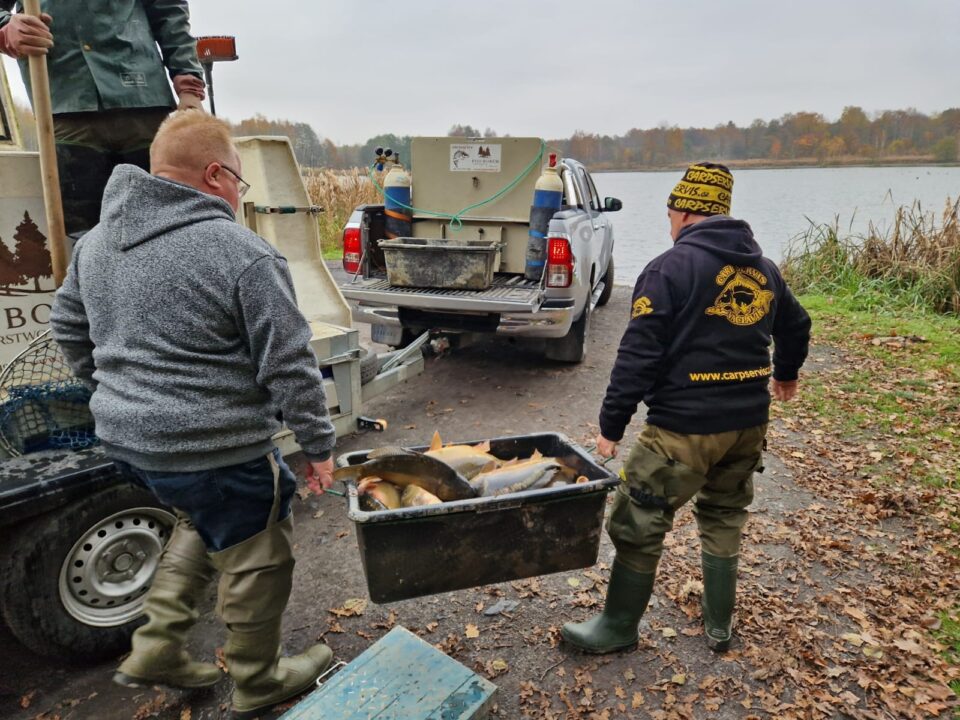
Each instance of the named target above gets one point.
<point>42,405</point>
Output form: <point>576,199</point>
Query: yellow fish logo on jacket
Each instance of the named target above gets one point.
<point>743,301</point>
<point>642,306</point>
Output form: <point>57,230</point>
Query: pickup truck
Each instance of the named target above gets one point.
<point>554,306</point>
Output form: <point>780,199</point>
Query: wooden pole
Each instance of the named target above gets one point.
<point>43,112</point>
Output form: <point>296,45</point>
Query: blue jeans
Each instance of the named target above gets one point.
<point>226,505</point>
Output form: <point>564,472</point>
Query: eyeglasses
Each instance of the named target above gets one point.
<point>242,185</point>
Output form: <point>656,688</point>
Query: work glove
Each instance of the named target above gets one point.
<point>26,35</point>
<point>190,91</point>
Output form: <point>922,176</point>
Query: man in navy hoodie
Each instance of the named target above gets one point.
<point>696,352</point>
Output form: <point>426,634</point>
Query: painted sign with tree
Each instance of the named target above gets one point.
<point>22,269</point>
<point>26,275</point>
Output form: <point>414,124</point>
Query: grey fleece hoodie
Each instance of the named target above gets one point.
<point>186,327</point>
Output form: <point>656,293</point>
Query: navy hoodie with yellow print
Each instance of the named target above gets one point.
<point>697,348</point>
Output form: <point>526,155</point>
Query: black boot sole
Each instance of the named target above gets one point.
<point>718,646</point>
<point>129,681</point>
<point>599,651</point>
<point>266,710</point>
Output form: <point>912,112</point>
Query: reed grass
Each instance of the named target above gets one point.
<point>913,264</point>
<point>338,193</point>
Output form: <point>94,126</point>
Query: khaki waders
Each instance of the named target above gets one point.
<point>663,471</point>
<point>158,656</point>
<point>255,583</point>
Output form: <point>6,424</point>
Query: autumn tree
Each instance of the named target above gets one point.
<point>854,128</point>
<point>946,150</point>
<point>32,257</point>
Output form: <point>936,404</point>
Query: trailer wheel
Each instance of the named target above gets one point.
<point>572,347</point>
<point>75,578</point>
<point>369,365</point>
<point>607,285</point>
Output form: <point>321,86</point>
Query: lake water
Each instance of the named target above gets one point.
<point>776,203</point>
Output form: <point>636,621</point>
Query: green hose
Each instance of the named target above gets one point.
<point>456,221</point>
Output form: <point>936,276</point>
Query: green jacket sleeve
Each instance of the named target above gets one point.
<point>4,17</point>
<point>170,24</point>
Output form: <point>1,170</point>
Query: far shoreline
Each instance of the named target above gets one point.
<point>785,164</point>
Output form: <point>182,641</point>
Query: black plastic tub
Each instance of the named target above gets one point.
<point>418,551</point>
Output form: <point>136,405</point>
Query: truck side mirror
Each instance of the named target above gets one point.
<point>612,204</point>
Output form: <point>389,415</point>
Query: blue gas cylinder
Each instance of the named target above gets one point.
<point>396,202</point>
<point>547,199</point>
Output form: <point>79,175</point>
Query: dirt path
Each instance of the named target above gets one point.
<point>824,627</point>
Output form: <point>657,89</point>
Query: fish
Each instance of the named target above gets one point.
<point>403,468</point>
<point>436,443</point>
<point>465,459</point>
<point>414,496</point>
<point>378,494</point>
<point>519,476</point>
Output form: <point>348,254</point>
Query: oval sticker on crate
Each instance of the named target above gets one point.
<point>474,157</point>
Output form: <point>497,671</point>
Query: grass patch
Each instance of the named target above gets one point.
<point>949,635</point>
<point>906,392</point>
<point>338,193</point>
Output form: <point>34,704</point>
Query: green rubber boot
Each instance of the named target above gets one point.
<point>719,599</point>
<point>616,627</point>
<point>264,678</point>
<point>158,657</point>
<point>255,583</point>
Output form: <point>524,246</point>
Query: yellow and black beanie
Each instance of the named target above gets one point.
<point>706,189</point>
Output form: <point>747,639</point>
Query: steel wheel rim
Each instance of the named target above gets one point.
<point>107,572</point>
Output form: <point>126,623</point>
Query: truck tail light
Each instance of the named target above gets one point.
<point>351,249</point>
<point>559,263</point>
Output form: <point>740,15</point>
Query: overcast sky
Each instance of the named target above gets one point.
<point>357,68</point>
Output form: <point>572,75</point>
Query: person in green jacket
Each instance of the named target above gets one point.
<point>108,62</point>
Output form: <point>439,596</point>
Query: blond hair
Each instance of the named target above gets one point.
<point>191,140</point>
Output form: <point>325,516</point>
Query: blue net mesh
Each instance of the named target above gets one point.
<point>42,406</point>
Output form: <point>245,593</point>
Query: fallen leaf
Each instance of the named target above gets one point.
<point>573,582</point>
<point>472,631</point>
<point>668,632</point>
<point>637,700</point>
<point>350,608</point>
<point>853,639</point>
<point>679,679</point>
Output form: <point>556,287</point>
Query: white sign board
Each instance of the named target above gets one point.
<point>474,157</point>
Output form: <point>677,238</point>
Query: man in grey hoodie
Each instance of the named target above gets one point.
<point>185,326</point>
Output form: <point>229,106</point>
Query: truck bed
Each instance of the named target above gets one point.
<point>509,293</point>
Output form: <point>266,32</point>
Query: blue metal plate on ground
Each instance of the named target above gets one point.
<point>399,677</point>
